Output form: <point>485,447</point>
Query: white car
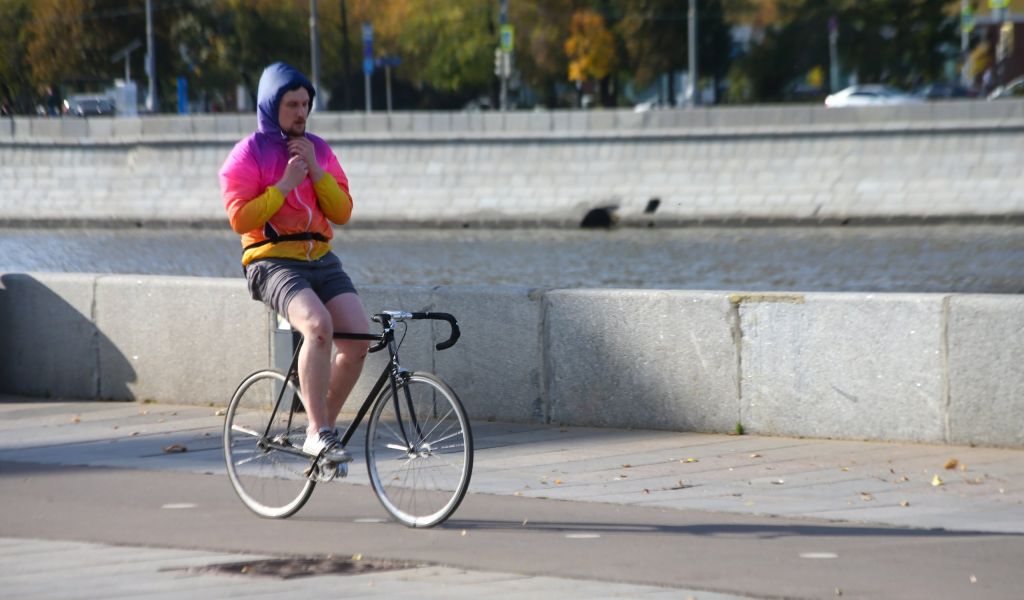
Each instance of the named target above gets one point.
<point>869,95</point>
<point>1014,89</point>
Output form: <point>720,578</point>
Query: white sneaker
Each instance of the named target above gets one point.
<point>326,444</point>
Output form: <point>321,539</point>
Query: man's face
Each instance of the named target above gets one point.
<point>293,111</point>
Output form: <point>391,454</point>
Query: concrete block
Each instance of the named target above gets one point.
<point>49,345</point>
<point>495,368</point>
<point>600,120</point>
<point>377,123</point>
<point>6,128</point>
<point>352,122</point>
<point>178,339</point>
<point>492,121</point>
<point>855,366</point>
<point>99,128</point>
<point>441,122</point>
<point>539,121</point>
<point>649,359</point>
<point>21,128</point>
<point>158,126</point>
<point>235,124</point>
<point>45,128</point>
<point>986,370</point>
<point>127,128</point>
<point>403,122</point>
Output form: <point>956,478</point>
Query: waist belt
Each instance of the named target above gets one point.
<point>290,237</point>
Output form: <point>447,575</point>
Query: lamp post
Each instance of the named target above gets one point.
<point>691,29</point>
<point>152,102</point>
<point>314,52</point>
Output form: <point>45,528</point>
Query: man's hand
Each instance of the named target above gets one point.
<point>301,146</point>
<point>294,173</point>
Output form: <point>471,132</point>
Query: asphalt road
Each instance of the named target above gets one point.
<point>764,557</point>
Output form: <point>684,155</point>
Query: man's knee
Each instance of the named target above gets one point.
<point>352,351</point>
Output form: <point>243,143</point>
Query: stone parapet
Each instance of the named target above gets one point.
<point>937,368</point>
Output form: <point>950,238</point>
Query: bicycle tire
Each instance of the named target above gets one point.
<point>421,487</point>
<point>270,482</point>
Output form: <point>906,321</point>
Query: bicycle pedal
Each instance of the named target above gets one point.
<point>329,471</point>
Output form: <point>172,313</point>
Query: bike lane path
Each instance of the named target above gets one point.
<point>632,485</point>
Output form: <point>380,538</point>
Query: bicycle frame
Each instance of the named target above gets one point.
<point>392,373</point>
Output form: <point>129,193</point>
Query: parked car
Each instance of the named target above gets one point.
<point>1014,89</point>
<point>869,95</point>
<point>89,106</point>
<point>944,91</point>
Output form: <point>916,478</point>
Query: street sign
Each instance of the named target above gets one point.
<point>998,4</point>
<point>367,49</point>
<point>507,38</point>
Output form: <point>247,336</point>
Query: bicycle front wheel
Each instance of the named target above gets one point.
<point>419,451</point>
<point>263,458</point>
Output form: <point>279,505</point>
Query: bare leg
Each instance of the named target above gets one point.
<point>348,316</point>
<point>310,317</point>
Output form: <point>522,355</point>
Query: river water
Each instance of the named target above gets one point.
<point>933,258</point>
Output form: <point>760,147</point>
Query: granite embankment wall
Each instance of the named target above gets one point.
<point>944,368</point>
<point>939,160</point>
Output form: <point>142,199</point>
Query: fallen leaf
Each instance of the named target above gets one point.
<point>951,463</point>
<point>357,557</point>
<point>463,533</point>
<point>134,433</point>
<point>903,479</point>
<point>525,521</point>
<point>975,481</point>
<point>936,480</point>
<point>865,496</point>
<point>558,482</point>
<point>963,467</point>
<point>626,466</point>
<point>839,592</point>
<point>904,503</point>
<point>175,448</point>
<point>221,412</point>
<point>778,481</point>
<point>647,491</point>
<point>518,494</point>
<point>691,460</point>
<point>755,455</point>
<point>973,579</point>
<point>844,469</point>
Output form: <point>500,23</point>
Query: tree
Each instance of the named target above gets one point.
<point>16,83</point>
<point>590,48</point>
<point>656,38</point>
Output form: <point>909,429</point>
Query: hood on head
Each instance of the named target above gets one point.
<point>274,82</point>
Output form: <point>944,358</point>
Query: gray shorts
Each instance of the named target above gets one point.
<point>275,281</point>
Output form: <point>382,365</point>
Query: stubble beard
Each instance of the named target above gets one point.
<point>297,130</point>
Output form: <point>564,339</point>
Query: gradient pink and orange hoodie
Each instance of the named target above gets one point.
<point>257,209</point>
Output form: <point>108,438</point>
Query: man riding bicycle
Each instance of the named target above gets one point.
<point>282,188</point>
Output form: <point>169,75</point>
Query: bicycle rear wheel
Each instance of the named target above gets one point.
<point>420,482</point>
<point>269,480</point>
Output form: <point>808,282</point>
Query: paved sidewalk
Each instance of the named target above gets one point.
<point>89,571</point>
<point>910,485</point>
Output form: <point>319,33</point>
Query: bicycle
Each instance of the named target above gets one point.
<point>419,447</point>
